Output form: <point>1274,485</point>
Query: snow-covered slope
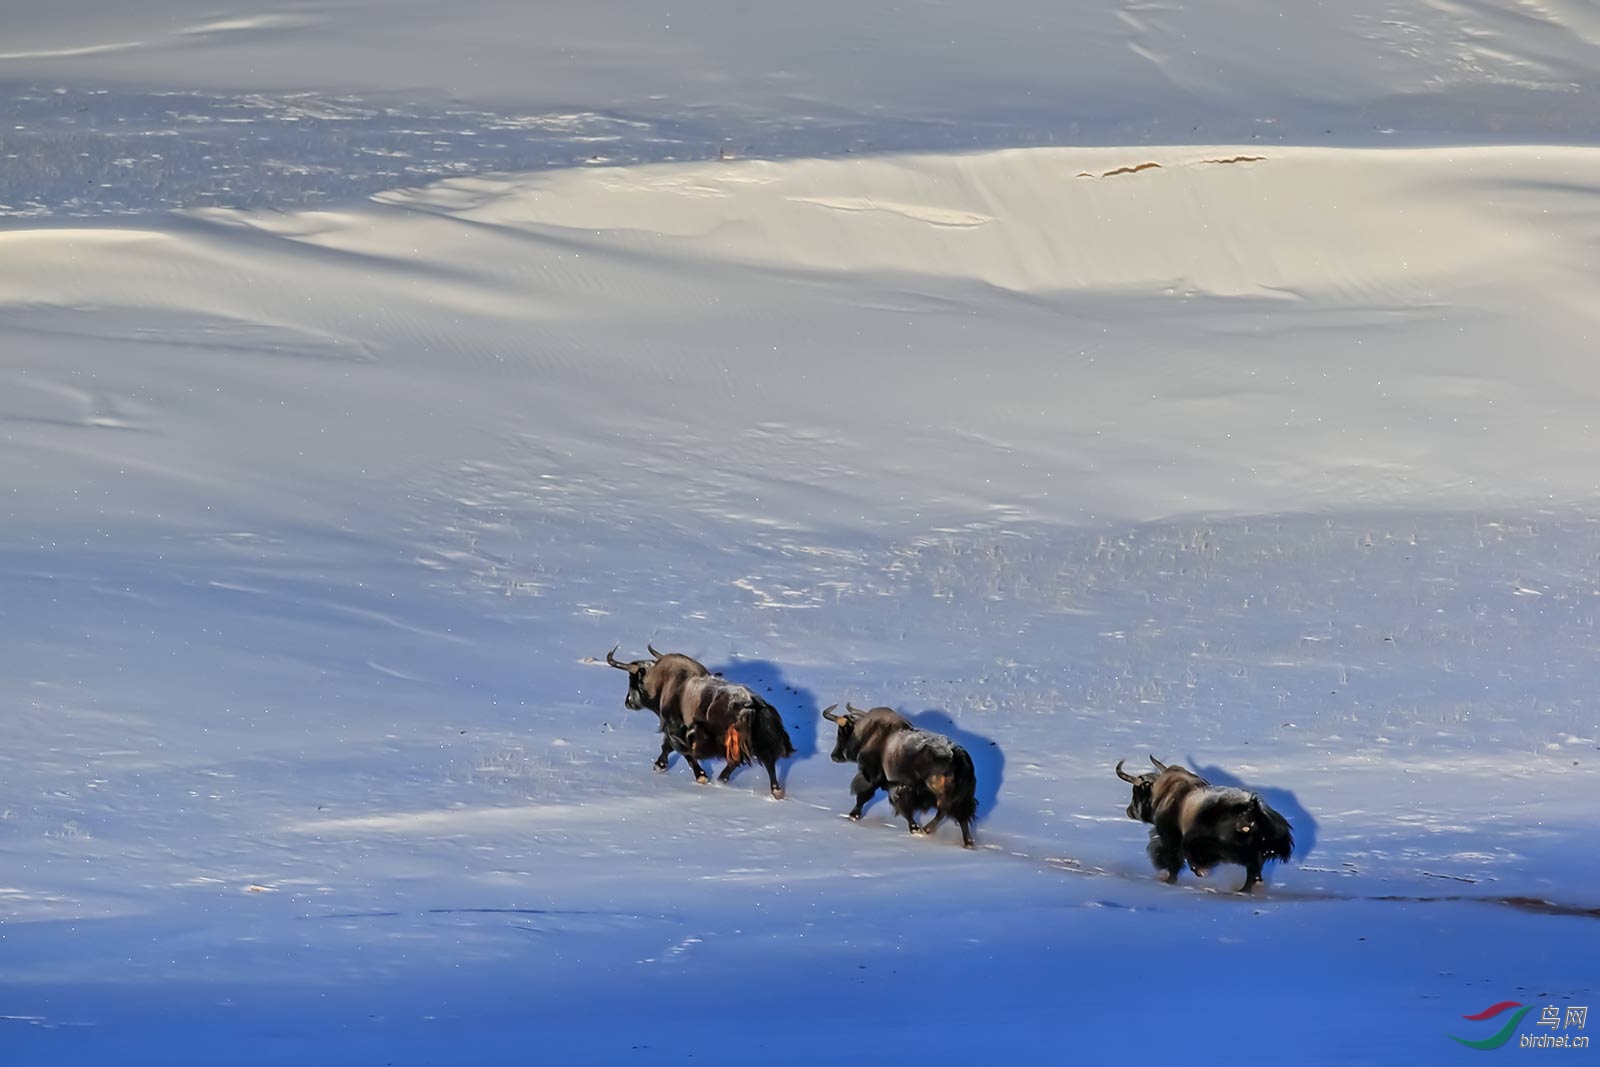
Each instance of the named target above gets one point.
<point>1053,333</point>
<point>1273,459</point>
<point>1151,70</point>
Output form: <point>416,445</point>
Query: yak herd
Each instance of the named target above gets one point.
<point>701,715</point>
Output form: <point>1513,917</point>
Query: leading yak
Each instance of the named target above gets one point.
<point>704,716</point>
<point>920,769</point>
<point>1195,822</point>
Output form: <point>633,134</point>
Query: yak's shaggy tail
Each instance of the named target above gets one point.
<point>769,731</point>
<point>757,733</point>
<point>1280,839</point>
<point>963,788</point>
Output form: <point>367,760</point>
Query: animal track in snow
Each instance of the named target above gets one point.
<point>1135,169</point>
<point>674,951</point>
<point>929,213</point>
<point>1138,167</point>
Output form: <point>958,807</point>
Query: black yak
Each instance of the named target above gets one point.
<point>704,716</point>
<point>919,769</point>
<point>1195,822</point>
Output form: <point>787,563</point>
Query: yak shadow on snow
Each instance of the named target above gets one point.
<point>1281,800</point>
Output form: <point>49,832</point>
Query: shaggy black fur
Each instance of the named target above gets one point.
<point>705,716</point>
<point>1201,825</point>
<point>919,769</point>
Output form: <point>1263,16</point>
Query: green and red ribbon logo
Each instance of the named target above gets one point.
<point>1505,1031</point>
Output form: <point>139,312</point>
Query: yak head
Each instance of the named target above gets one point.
<point>1143,806</point>
<point>640,695</point>
<point>847,746</point>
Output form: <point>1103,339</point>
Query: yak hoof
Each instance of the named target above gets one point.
<point>968,844</point>
<point>777,792</point>
<point>1167,876</point>
<point>1200,872</point>
<point>659,767</point>
<point>702,779</point>
<point>916,829</point>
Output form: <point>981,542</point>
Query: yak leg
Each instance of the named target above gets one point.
<point>966,828</point>
<point>772,778</point>
<point>727,772</point>
<point>862,797</point>
<point>700,775</point>
<point>1201,856</point>
<point>864,791</point>
<point>1167,856</point>
<point>666,751</point>
<point>934,798</point>
<point>684,744</point>
<point>904,804</point>
<point>1252,875</point>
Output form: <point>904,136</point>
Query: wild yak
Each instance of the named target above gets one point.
<point>704,716</point>
<point>1195,822</point>
<point>919,769</point>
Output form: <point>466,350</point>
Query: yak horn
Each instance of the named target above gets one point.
<point>1124,775</point>
<point>611,658</point>
<point>853,709</point>
<point>652,649</point>
<point>1159,765</point>
<point>826,710</point>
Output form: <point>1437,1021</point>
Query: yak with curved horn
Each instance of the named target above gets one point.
<point>704,716</point>
<point>919,769</point>
<point>647,687</point>
<point>1196,823</point>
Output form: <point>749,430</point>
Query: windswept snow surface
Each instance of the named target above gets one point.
<point>1272,459</point>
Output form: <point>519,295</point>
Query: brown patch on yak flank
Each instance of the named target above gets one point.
<point>731,742</point>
